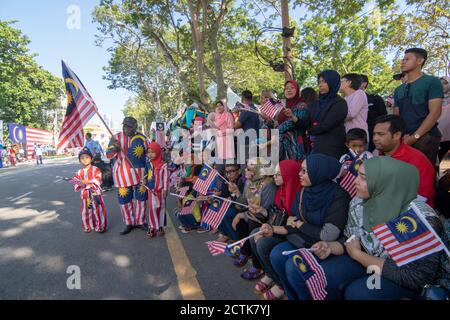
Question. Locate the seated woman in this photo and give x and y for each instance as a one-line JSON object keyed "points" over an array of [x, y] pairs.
{"points": [[321, 211], [386, 188], [259, 194], [287, 179]]}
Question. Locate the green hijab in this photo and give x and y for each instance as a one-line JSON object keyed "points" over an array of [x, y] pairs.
{"points": [[392, 186]]}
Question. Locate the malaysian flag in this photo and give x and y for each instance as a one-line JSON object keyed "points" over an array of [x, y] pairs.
{"points": [[182, 191], [188, 207], [408, 237], [348, 183], [80, 109], [205, 179], [216, 247], [39, 137], [73, 181], [270, 108], [312, 272], [215, 213]]}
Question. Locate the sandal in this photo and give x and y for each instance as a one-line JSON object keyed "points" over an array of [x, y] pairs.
{"points": [[261, 287], [222, 238], [160, 232], [252, 274], [151, 233], [87, 230], [270, 296]]}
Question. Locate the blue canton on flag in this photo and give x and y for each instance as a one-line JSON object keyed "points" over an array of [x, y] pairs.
{"points": [[17, 133], [408, 238], [205, 179]]}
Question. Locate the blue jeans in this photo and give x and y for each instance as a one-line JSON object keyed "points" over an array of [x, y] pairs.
{"points": [[38, 159], [262, 249], [346, 278], [226, 225]]}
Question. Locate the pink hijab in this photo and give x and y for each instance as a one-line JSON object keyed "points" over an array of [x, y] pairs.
{"points": [[225, 119]]}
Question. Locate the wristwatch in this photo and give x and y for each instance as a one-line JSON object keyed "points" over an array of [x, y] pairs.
{"points": [[416, 136]]}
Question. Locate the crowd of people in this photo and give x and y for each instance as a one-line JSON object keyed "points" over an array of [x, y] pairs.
{"points": [[345, 167]]}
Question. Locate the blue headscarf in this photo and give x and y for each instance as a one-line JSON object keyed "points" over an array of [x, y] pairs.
{"points": [[322, 169], [333, 79]]}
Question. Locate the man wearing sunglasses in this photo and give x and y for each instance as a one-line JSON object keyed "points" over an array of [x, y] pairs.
{"points": [[419, 102]]}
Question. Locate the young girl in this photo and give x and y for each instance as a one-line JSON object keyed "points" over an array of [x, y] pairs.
{"points": [[157, 182], [89, 179]]}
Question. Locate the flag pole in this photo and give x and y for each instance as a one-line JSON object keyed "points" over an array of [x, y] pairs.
{"points": [[103, 121], [244, 239], [424, 220], [239, 204]]}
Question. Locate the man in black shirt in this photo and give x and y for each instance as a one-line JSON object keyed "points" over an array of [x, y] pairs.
{"points": [[376, 108]]}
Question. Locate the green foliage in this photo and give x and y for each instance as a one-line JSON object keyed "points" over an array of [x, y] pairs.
{"points": [[28, 93]]}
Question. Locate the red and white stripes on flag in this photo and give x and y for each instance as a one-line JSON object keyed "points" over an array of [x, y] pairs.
{"points": [[408, 238], [182, 191], [316, 281], [80, 109], [38, 136], [348, 183], [205, 179], [270, 109], [216, 247], [188, 207], [213, 217]]}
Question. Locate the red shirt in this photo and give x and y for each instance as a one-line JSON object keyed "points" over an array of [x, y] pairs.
{"points": [[416, 158]]}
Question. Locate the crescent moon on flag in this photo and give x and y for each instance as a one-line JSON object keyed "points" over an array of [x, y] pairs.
{"points": [[20, 137], [412, 221], [300, 264], [72, 82]]}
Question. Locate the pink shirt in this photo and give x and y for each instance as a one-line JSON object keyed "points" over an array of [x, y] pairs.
{"points": [[358, 107]]}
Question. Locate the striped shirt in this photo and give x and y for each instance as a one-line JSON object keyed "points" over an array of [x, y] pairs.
{"points": [[123, 173], [92, 174]]}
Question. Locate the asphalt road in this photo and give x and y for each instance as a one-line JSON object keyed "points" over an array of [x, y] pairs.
{"points": [[41, 237]]}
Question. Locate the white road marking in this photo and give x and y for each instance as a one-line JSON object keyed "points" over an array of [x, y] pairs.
{"points": [[22, 196]]}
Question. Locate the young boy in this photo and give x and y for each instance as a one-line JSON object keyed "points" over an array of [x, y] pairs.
{"points": [[157, 182], [89, 179], [356, 144]]}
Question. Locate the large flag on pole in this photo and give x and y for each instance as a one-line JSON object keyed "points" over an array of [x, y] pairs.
{"points": [[80, 109]]}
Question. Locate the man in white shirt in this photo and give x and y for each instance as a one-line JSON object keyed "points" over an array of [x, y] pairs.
{"points": [[38, 152]]}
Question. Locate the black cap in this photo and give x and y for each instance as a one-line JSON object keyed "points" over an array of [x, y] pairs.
{"points": [[85, 151], [398, 76], [130, 121]]}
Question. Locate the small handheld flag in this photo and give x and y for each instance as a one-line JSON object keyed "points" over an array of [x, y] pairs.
{"points": [[205, 179], [408, 238], [215, 213], [270, 108], [312, 272]]}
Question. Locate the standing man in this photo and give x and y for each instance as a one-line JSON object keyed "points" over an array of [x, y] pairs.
{"points": [[377, 108], [94, 147], [418, 101], [38, 152], [128, 149]]}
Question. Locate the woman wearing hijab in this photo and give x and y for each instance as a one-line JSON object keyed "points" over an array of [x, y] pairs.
{"points": [[288, 181], [444, 120], [157, 182], [321, 211], [292, 124], [385, 188], [327, 117], [224, 123]]}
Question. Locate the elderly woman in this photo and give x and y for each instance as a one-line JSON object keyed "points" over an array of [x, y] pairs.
{"points": [[386, 188]]}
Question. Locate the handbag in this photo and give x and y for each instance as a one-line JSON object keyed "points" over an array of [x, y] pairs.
{"points": [[277, 217], [435, 292]]}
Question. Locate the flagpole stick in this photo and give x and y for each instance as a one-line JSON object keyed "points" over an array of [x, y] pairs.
{"points": [[227, 182], [244, 239], [285, 253], [239, 204], [103, 121]]}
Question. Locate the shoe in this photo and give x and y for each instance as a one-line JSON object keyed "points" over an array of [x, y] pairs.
{"points": [[142, 227], [240, 261], [100, 230], [151, 233], [202, 230], [271, 296], [127, 230], [87, 230], [252, 274], [187, 230]]}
